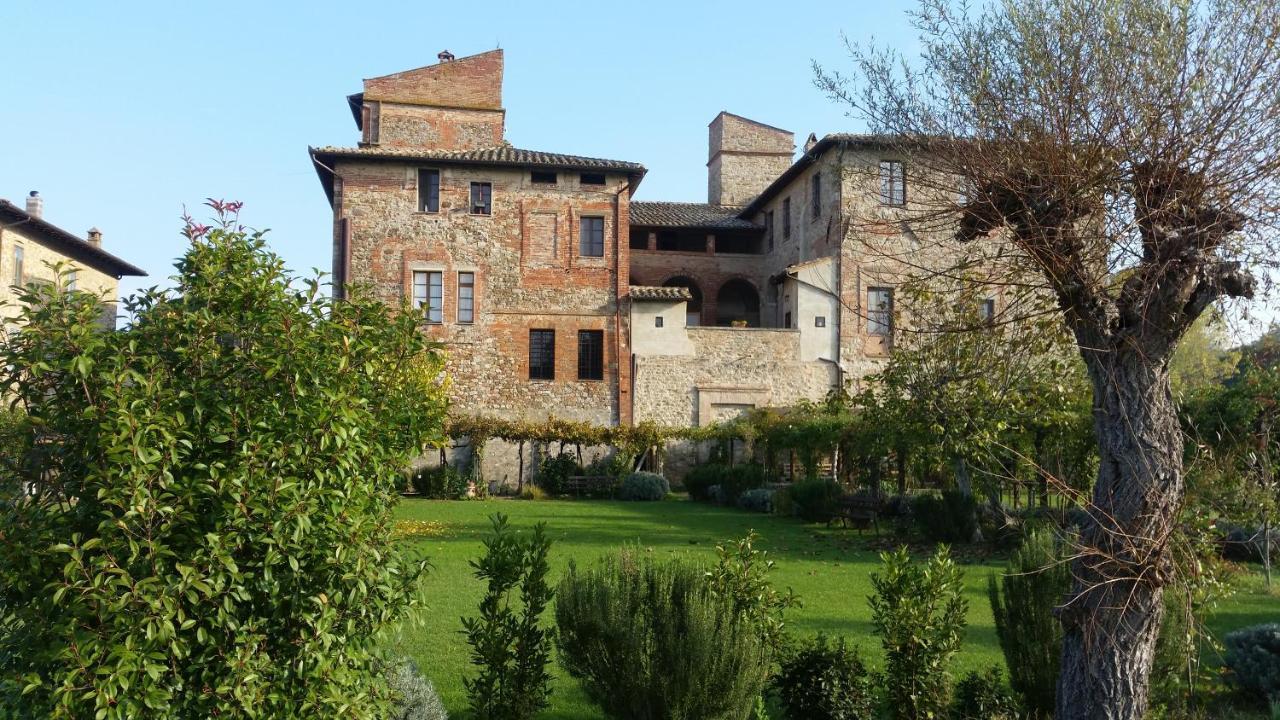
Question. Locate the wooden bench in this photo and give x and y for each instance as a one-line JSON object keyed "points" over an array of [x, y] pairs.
{"points": [[579, 485], [861, 510]]}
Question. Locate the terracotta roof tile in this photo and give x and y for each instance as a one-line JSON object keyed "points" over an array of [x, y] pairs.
{"points": [[649, 292], [688, 215]]}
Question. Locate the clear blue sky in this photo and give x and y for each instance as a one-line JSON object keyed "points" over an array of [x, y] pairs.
{"points": [[120, 113]]}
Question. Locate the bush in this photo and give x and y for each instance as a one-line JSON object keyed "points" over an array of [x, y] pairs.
{"points": [[919, 613], [741, 576], [442, 482], [1253, 655], [739, 479], [815, 500], [824, 681], [251, 432], [1036, 581], [649, 641], [644, 486], [699, 480], [984, 696], [413, 696], [947, 518], [555, 471], [758, 500], [512, 650], [1244, 544], [533, 492]]}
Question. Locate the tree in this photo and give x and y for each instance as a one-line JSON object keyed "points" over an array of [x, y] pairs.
{"points": [[208, 527], [1128, 152], [1202, 358]]}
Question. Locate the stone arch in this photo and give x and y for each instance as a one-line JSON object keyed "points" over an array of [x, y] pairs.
{"points": [[738, 299], [693, 308]]}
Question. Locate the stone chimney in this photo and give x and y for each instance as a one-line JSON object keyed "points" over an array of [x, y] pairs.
{"points": [[95, 237], [35, 204], [813, 140], [745, 156]]}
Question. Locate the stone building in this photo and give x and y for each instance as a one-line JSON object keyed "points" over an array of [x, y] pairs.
{"points": [[30, 249], [557, 293]]}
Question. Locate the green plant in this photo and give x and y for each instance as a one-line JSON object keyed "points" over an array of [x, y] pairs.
{"points": [[511, 649], [1253, 655], [757, 500], [649, 641], [533, 492], [825, 681], [211, 530], [699, 480], [441, 482], [1036, 582], [814, 500], [741, 576], [984, 696], [919, 612], [738, 479], [644, 486], [413, 696], [950, 517], [555, 471], [783, 504]]}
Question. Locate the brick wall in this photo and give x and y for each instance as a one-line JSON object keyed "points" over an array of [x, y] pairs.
{"points": [[454, 105]]}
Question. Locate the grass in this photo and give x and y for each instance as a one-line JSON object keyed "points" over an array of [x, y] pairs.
{"points": [[829, 569]]}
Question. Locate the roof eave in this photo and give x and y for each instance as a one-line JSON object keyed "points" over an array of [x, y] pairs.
{"points": [[70, 245]]}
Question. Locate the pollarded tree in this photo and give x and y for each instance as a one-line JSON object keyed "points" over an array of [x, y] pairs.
{"points": [[208, 527], [1129, 152]]}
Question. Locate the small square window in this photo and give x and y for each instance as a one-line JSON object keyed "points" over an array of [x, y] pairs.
{"points": [[540, 177], [591, 178], [481, 198], [819, 321], [657, 322]]}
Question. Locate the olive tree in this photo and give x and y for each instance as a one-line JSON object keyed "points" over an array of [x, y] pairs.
{"points": [[206, 525], [1128, 152]]}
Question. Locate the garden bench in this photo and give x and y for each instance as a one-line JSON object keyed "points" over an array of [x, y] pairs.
{"points": [[862, 511], [578, 485]]}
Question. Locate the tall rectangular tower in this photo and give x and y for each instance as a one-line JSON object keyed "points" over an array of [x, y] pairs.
{"points": [[744, 157]]}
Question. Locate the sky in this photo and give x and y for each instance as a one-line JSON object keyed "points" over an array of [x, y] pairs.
{"points": [[122, 114]]}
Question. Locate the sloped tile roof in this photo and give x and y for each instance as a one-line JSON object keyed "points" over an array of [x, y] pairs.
{"points": [[688, 215], [650, 292], [66, 243], [499, 155]]}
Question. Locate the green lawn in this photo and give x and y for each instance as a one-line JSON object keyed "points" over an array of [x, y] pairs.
{"points": [[829, 569]]}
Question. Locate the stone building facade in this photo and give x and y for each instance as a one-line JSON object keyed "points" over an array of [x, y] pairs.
{"points": [[31, 248], [556, 293]]}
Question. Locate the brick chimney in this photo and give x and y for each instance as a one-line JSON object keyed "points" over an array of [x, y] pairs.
{"points": [[35, 204], [95, 237], [745, 157]]}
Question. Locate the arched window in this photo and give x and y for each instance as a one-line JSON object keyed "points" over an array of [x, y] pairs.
{"points": [[738, 300], [694, 306]]}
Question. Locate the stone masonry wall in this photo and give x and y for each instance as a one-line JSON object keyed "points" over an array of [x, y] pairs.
{"points": [[743, 157], [35, 264], [418, 126]]}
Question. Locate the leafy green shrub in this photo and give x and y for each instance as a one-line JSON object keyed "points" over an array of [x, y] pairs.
{"points": [[213, 533], [511, 649], [533, 492], [739, 479], [757, 500], [783, 504], [555, 471], [919, 613], [1253, 655], [648, 640], [699, 480], [825, 681], [644, 486], [414, 697], [442, 482], [1036, 581], [947, 518], [984, 696], [741, 576], [815, 500]]}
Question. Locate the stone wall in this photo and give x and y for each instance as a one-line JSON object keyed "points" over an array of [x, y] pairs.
{"points": [[36, 262], [708, 270], [455, 105], [419, 126], [744, 157]]}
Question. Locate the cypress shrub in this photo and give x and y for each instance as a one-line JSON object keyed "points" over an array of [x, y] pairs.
{"points": [[1030, 636]]}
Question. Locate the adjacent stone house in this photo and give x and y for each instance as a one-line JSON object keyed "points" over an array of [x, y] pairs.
{"points": [[556, 293], [30, 249]]}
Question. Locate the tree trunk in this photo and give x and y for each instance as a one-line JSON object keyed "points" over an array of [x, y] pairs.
{"points": [[902, 471], [520, 472], [1112, 616]]}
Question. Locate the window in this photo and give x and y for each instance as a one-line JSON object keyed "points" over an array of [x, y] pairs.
{"points": [[429, 191], [768, 229], [820, 321], [786, 320], [879, 311], [591, 178], [815, 197], [591, 237], [893, 183], [370, 121], [428, 292], [17, 265], [542, 354], [466, 297], [72, 277], [542, 177], [481, 198], [657, 321], [590, 354], [786, 218], [987, 310]]}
